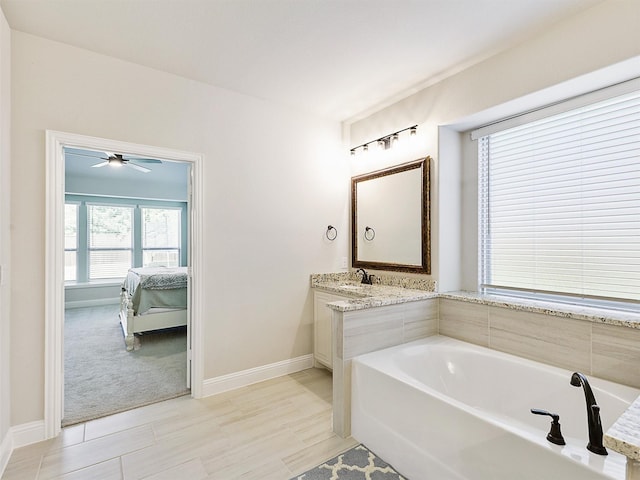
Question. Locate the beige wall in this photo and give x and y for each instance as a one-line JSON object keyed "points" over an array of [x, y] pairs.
{"points": [[5, 199], [564, 61], [274, 178]]}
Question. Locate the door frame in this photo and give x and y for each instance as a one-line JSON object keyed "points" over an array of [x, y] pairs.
{"points": [[54, 261]]}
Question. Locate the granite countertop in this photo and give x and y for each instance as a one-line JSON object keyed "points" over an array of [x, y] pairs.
{"points": [[624, 435], [390, 290], [386, 290], [369, 296]]}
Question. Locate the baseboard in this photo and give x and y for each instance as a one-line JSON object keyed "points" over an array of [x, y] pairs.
{"points": [[224, 383], [98, 302], [27, 433], [6, 447], [19, 436]]}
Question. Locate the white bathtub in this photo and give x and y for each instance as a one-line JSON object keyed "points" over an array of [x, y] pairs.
{"points": [[439, 409]]}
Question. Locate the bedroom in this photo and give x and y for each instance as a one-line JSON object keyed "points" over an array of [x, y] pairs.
{"points": [[117, 219]]}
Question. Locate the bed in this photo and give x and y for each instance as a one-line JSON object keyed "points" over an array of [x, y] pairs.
{"points": [[152, 298]]}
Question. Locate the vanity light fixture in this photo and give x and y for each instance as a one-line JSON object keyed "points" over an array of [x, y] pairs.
{"points": [[386, 142]]}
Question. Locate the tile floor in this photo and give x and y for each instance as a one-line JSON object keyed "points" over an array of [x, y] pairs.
{"points": [[272, 430]]}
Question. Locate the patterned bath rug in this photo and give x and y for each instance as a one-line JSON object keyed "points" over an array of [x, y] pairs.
{"points": [[359, 463]]}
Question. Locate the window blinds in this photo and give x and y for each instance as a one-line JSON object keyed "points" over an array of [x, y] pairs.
{"points": [[560, 203], [110, 241]]}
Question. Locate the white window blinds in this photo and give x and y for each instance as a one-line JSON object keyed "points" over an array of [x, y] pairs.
{"points": [[110, 241], [560, 203]]}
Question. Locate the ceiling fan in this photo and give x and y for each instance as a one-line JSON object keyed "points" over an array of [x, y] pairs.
{"points": [[118, 160]]}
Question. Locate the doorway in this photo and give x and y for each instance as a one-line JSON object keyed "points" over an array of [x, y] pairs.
{"points": [[57, 142], [126, 219]]}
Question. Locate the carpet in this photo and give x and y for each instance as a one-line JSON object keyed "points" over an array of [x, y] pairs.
{"points": [[359, 463], [101, 378]]}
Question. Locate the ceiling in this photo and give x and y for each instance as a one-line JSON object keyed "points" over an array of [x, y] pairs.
{"points": [[335, 58], [79, 163]]}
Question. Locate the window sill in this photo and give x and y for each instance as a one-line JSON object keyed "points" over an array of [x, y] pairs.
{"points": [[94, 284], [578, 312]]}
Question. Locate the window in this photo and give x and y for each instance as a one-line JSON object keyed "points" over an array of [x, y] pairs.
{"points": [[560, 204], [105, 236], [160, 237], [110, 241], [70, 241]]}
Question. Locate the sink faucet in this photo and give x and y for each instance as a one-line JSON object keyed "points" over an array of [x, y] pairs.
{"points": [[593, 414], [366, 278]]}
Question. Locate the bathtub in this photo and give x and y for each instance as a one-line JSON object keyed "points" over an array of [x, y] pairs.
{"points": [[440, 409]]}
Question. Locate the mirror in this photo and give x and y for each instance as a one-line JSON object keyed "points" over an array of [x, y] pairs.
{"points": [[390, 223]]}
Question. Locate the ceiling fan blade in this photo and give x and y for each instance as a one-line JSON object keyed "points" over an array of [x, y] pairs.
{"points": [[143, 160], [75, 154], [97, 165], [137, 167]]}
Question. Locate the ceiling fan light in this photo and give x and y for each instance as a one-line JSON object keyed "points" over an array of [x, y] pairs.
{"points": [[115, 162]]}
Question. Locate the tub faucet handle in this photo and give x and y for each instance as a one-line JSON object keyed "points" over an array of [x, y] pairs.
{"points": [[554, 435]]}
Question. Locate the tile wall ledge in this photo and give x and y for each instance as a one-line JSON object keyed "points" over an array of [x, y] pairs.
{"points": [[578, 312], [624, 435]]}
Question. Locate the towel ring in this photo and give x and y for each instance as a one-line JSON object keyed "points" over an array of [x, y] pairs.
{"points": [[331, 236], [369, 233]]}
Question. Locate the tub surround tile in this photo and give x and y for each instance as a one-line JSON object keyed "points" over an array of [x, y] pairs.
{"points": [[633, 469], [595, 315], [542, 338], [356, 332], [465, 321], [616, 354], [368, 331], [419, 319]]}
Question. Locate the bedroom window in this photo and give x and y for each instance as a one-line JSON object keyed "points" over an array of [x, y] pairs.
{"points": [[105, 236], [560, 205], [110, 241], [70, 241], [161, 237]]}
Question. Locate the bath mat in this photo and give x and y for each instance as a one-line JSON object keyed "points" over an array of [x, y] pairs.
{"points": [[359, 463]]}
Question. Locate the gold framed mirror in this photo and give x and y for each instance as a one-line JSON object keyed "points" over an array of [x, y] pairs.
{"points": [[390, 218]]}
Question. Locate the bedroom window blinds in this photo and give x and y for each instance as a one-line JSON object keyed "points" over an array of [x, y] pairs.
{"points": [[161, 237], [560, 204], [110, 241], [70, 241]]}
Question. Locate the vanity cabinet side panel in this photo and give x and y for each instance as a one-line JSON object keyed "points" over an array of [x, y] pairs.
{"points": [[322, 336]]}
